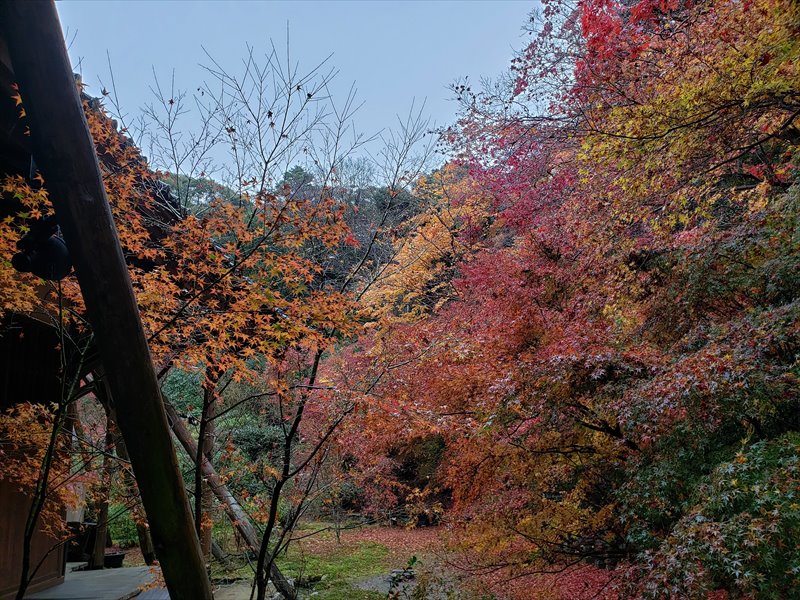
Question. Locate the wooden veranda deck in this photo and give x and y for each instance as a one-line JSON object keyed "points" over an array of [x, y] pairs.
{"points": [[123, 584], [103, 584]]}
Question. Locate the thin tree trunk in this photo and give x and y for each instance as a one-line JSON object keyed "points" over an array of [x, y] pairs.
{"points": [[265, 564], [65, 153], [233, 509], [202, 500], [101, 531], [39, 498], [219, 553], [206, 533], [145, 543]]}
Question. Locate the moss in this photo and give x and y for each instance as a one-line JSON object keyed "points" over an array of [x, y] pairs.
{"points": [[339, 569], [344, 591]]}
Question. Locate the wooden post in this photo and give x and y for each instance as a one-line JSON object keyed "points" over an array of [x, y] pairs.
{"points": [[64, 151]]}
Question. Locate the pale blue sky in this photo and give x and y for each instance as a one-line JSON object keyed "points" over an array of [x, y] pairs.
{"points": [[393, 51]]}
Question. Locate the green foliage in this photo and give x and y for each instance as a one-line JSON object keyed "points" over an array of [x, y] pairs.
{"points": [[257, 440], [663, 487], [121, 526], [297, 178], [742, 533], [183, 389], [196, 194]]}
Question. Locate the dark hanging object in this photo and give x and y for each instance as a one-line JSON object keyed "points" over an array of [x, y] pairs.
{"points": [[43, 252]]}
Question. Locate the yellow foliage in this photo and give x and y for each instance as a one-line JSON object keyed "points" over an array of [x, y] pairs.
{"points": [[418, 279]]}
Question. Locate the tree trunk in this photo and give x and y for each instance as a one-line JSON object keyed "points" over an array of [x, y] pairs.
{"points": [[233, 509], [203, 499], [219, 553], [146, 544], [206, 533], [101, 532], [65, 153]]}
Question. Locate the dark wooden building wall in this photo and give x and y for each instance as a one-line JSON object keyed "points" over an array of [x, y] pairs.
{"points": [[13, 511], [29, 364]]}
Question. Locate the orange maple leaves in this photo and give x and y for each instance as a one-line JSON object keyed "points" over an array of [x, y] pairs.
{"points": [[221, 287]]}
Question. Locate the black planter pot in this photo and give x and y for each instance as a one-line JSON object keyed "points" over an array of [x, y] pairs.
{"points": [[114, 561]]}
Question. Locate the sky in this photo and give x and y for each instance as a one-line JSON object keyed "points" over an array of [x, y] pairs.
{"points": [[394, 52]]}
